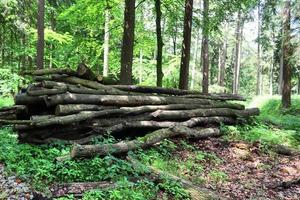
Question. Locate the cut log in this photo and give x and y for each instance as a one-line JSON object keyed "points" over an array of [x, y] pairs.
{"points": [[158, 90], [11, 113], [44, 91], [86, 73], [120, 100], [41, 72], [86, 83], [76, 108], [151, 108], [42, 78], [81, 151], [12, 122], [164, 124], [173, 91], [184, 114], [82, 116], [41, 117], [23, 99], [196, 192]]}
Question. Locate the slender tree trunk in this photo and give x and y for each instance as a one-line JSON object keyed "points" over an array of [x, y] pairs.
{"points": [[41, 39], [106, 44], [2, 39], [205, 58], [219, 62], [259, 67], [271, 74], [237, 55], [186, 46], [223, 58], [141, 67], [175, 38], [298, 89], [195, 61], [128, 43], [240, 56], [159, 43], [286, 75]]}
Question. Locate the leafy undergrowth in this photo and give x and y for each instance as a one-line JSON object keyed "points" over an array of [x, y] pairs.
{"points": [[37, 165], [6, 101], [239, 165]]}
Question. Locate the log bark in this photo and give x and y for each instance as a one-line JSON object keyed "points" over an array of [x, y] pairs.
{"points": [[81, 151], [86, 73], [151, 108], [76, 108], [154, 125], [44, 91], [183, 114], [41, 72], [85, 83], [23, 99], [120, 100], [158, 90], [82, 116]]}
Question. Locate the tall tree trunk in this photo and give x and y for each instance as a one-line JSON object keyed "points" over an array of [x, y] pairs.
{"points": [[174, 37], [223, 58], [41, 39], [195, 61], [259, 67], [128, 43], [298, 84], [205, 53], [271, 74], [141, 67], [106, 44], [280, 83], [286, 75], [186, 46], [159, 43], [237, 55]]}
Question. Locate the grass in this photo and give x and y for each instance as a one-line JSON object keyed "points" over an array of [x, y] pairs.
{"points": [[273, 126]]}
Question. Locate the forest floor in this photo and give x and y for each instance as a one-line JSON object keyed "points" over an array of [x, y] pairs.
{"points": [[239, 165]]}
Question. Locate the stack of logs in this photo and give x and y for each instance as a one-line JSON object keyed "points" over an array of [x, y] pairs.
{"points": [[74, 106]]}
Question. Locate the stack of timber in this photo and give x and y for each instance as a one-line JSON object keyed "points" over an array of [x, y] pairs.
{"points": [[74, 106]]}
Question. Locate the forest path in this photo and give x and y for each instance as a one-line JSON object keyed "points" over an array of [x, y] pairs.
{"points": [[12, 188], [250, 172]]}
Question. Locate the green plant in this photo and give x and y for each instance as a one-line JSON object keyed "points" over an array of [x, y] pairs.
{"points": [[175, 189], [218, 176]]}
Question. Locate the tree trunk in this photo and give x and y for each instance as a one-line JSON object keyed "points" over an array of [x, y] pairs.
{"points": [[141, 67], [259, 67], [147, 141], [182, 114], [159, 43], [186, 46], [205, 59], [195, 61], [41, 39], [120, 100], [237, 54], [286, 75], [128, 43], [223, 58], [106, 44]]}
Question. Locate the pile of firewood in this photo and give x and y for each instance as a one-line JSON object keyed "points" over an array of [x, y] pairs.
{"points": [[74, 106]]}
